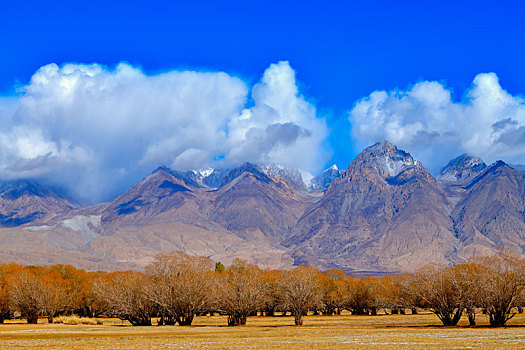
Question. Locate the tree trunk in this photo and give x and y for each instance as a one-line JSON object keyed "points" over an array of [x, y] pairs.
{"points": [[449, 318], [32, 318], [49, 319], [237, 320], [242, 320], [401, 311], [471, 314], [394, 311], [140, 321], [359, 311], [298, 317], [414, 311], [186, 320], [373, 311], [498, 318]]}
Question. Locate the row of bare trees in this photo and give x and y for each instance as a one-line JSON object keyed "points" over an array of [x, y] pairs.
{"points": [[35, 291], [495, 284], [176, 287]]}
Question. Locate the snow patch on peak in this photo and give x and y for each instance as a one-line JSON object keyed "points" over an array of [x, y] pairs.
{"points": [[293, 176], [323, 180], [204, 172], [393, 166], [275, 169], [386, 159], [461, 168], [307, 177]]}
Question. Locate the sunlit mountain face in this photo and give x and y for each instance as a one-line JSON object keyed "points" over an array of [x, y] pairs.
{"points": [[384, 213]]}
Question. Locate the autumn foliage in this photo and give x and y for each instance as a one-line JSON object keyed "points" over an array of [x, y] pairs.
{"points": [[175, 288]]}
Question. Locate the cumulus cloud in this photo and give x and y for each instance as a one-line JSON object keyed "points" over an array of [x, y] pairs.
{"points": [[487, 122], [281, 126], [97, 130]]}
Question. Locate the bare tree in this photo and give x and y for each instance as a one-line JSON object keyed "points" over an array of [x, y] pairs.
{"points": [[332, 287], [272, 280], [181, 285], [301, 291], [361, 295], [468, 281], [122, 294], [240, 291], [502, 285], [438, 288], [55, 298], [26, 290]]}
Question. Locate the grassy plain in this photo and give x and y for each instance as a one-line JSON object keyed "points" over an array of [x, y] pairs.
{"points": [[319, 332]]}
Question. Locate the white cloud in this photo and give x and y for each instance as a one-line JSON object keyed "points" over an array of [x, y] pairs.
{"points": [[281, 127], [98, 130], [425, 120]]}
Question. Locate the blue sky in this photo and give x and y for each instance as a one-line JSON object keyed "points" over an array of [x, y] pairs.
{"points": [[340, 51]]}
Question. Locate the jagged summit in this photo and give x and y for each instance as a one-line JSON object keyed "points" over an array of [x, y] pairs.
{"points": [[462, 168], [247, 167], [203, 178], [383, 146], [216, 178], [189, 178], [385, 158], [323, 180]]}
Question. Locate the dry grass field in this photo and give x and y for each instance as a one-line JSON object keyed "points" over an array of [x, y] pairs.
{"points": [[319, 332]]}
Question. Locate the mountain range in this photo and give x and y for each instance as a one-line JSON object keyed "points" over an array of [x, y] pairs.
{"points": [[384, 214]]}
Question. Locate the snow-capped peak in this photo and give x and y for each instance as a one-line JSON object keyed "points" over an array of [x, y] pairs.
{"points": [[461, 168], [323, 180], [204, 172], [386, 159]]}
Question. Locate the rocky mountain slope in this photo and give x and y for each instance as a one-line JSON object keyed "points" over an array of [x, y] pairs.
{"points": [[25, 201], [492, 213], [385, 213]]}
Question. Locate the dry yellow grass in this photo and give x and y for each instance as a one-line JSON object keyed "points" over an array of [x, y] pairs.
{"points": [[319, 332], [76, 320]]}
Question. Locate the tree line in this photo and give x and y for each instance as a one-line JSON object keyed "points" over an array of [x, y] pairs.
{"points": [[176, 287]]}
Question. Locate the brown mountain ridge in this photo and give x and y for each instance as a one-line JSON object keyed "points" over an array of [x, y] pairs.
{"points": [[385, 213]]}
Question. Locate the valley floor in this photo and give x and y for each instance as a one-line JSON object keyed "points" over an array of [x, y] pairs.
{"points": [[319, 332]]}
